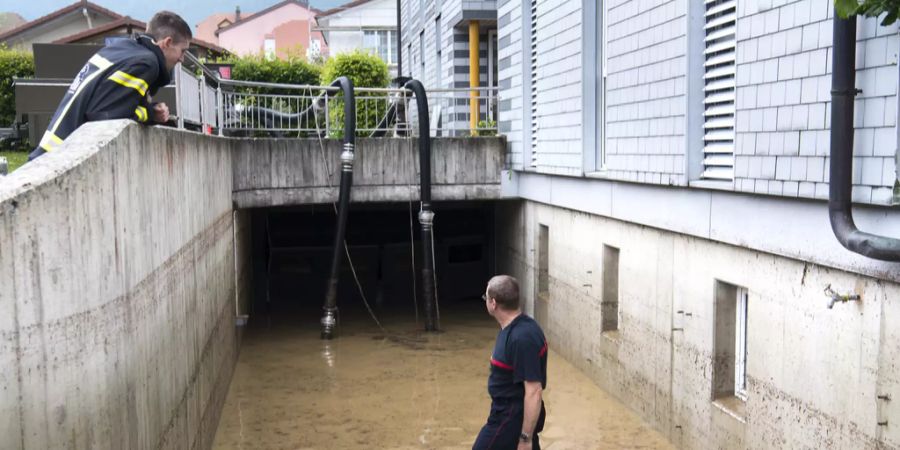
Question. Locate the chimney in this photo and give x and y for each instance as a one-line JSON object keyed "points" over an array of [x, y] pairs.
{"points": [[237, 14]]}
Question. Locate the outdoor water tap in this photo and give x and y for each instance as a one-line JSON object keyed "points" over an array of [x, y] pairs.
{"points": [[834, 297]]}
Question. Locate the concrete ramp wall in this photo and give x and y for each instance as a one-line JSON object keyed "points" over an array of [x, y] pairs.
{"points": [[284, 172], [117, 291]]}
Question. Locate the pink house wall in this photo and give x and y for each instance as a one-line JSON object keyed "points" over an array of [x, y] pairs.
{"points": [[288, 25]]}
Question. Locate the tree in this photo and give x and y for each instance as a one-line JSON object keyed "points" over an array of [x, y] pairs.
{"points": [[869, 8]]}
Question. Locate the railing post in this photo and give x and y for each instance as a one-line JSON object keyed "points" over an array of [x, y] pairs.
{"points": [[220, 110], [179, 103], [327, 117]]}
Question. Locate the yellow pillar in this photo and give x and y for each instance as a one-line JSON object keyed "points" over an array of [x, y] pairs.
{"points": [[474, 75]]}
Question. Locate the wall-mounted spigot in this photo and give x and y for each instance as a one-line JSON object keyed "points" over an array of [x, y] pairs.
{"points": [[834, 297]]}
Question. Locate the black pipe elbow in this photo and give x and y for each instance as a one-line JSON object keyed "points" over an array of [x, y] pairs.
{"points": [[424, 140], [346, 86], [840, 188]]}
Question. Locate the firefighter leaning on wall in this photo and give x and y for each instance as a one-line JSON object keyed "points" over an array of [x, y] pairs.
{"points": [[119, 80]]}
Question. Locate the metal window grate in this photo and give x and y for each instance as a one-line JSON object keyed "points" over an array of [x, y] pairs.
{"points": [[719, 90], [534, 120]]}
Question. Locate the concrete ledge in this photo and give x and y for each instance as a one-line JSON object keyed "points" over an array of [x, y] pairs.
{"points": [[281, 172], [117, 291]]}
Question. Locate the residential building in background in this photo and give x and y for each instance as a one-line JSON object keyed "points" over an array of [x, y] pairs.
{"points": [[73, 19], [207, 28], [125, 27], [10, 20], [436, 37], [86, 23], [276, 31], [369, 25], [673, 237]]}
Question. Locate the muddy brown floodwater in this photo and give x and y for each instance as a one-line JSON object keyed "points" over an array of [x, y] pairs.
{"points": [[407, 390]]}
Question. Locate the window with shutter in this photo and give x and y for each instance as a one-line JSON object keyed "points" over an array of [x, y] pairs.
{"points": [[534, 120]]}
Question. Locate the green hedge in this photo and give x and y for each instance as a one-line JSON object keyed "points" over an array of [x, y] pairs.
{"points": [[293, 70], [364, 70], [12, 64]]}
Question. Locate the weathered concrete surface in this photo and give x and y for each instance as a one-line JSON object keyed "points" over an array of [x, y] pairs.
{"points": [[279, 172], [117, 291], [814, 375]]}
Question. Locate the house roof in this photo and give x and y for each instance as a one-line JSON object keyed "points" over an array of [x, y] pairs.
{"points": [[343, 7], [123, 23], [57, 14], [268, 10]]}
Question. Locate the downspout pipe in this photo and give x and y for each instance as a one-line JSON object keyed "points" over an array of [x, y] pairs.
{"points": [[330, 318], [426, 216], [843, 91]]}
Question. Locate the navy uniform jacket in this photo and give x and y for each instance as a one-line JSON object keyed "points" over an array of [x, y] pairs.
{"points": [[115, 84], [520, 354]]}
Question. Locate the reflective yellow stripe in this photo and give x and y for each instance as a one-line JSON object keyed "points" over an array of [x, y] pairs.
{"points": [[141, 113], [102, 64], [50, 141], [129, 81]]}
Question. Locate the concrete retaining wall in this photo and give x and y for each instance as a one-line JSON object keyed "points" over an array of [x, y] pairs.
{"points": [[280, 172], [814, 375], [117, 291]]}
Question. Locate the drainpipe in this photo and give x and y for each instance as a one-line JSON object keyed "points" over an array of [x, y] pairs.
{"points": [[843, 90], [329, 320], [426, 216], [399, 43], [474, 75]]}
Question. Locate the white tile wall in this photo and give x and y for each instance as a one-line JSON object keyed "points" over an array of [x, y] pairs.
{"points": [[646, 47], [785, 72]]}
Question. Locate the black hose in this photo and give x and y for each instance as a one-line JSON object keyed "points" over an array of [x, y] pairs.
{"points": [[329, 320], [843, 91], [426, 216]]}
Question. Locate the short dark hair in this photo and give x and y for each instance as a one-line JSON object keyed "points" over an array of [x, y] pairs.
{"points": [[505, 290], [168, 24]]}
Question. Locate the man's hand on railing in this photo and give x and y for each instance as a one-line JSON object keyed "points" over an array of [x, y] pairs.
{"points": [[160, 112]]}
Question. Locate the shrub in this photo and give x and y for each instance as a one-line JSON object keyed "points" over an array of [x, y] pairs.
{"points": [[292, 70], [12, 64], [487, 128], [364, 70]]}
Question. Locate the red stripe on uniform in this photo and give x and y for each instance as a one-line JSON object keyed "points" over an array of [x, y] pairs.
{"points": [[501, 364], [543, 350]]}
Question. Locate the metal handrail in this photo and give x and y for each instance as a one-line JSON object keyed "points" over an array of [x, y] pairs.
{"points": [[241, 111]]}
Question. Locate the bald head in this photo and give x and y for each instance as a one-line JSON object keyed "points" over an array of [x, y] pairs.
{"points": [[505, 290]]}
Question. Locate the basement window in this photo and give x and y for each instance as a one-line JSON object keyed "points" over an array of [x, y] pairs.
{"points": [[544, 261], [609, 303], [729, 390]]}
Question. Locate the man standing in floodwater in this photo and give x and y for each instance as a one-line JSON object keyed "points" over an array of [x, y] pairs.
{"points": [[119, 80], [518, 373]]}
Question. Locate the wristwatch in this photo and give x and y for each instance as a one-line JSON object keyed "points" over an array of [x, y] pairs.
{"points": [[524, 437]]}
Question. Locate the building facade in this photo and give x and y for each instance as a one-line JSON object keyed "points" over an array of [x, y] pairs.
{"points": [[73, 19], [280, 30], [670, 165], [368, 25]]}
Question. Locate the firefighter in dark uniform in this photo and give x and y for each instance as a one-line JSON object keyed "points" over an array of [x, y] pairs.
{"points": [[518, 373], [119, 80]]}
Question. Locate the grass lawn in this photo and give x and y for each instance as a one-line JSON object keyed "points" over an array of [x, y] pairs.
{"points": [[15, 159]]}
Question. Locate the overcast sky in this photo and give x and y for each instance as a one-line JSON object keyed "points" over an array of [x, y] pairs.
{"points": [[193, 11]]}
